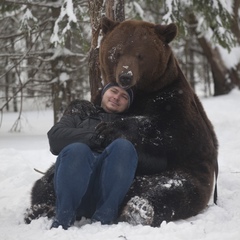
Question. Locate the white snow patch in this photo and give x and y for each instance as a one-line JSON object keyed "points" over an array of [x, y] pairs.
{"points": [[21, 152], [173, 183]]}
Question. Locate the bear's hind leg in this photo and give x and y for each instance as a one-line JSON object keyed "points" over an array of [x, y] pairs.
{"points": [[157, 198], [42, 198]]}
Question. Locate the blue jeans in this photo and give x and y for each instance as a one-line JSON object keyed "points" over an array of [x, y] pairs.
{"points": [[93, 184]]}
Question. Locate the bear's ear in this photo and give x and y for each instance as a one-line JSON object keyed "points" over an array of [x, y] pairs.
{"points": [[166, 32], [108, 25]]}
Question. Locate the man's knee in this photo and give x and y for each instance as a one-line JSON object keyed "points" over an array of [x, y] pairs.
{"points": [[124, 149], [122, 143], [75, 152], [76, 148]]}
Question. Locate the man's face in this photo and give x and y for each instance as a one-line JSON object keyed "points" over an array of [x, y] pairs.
{"points": [[115, 100]]}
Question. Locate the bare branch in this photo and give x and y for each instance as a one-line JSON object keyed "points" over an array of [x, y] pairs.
{"points": [[37, 4], [39, 171], [17, 125], [23, 57]]}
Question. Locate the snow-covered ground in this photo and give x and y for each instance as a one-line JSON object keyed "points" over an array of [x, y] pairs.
{"points": [[21, 152]]}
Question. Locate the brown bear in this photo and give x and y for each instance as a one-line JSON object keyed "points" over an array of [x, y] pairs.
{"points": [[175, 141]]}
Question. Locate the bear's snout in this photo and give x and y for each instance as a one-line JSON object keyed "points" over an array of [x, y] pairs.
{"points": [[125, 79]]}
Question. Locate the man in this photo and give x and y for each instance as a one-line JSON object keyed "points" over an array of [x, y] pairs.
{"points": [[90, 181]]}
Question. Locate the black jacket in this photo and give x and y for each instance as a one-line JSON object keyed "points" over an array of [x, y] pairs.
{"points": [[71, 129], [79, 125]]}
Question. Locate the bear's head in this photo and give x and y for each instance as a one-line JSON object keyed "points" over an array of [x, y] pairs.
{"points": [[136, 53]]}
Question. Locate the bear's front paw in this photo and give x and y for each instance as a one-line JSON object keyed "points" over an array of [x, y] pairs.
{"points": [[137, 211], [106, 132], [82, 108]]}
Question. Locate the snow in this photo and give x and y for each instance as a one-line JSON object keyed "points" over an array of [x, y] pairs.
{"points": [[232, 58], [166, 17], [67, 10], [21, 152], [139, 10]]}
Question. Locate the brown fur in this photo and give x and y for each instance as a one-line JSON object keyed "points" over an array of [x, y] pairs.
{"points": [[137, 54]]}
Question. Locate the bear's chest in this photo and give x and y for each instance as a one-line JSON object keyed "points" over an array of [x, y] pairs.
{"points": [[158, 104]]}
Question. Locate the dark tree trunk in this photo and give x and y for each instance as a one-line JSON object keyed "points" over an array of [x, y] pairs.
{"points": [[235, 20], [56, 96], [223, 80], [95, 10], [61, 90], [235, 73], [115, 11], [7, 84]]}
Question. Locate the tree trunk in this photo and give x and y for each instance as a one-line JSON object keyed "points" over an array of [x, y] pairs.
{"points": [[220, 73], [189, 66], [56, 96], [61, 90], [236, 31], [115, 11], [223, 81], [7, 84], [235, 20], [95, 11]]}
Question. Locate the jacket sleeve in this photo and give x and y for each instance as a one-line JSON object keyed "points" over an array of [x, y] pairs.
{"points": [[69, 130]]}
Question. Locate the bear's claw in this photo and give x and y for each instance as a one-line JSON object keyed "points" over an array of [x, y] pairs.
{"points": [[137, 211]]}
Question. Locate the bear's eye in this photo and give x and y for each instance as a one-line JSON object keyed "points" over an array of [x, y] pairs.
{"points": [[118, 54], [139, 56]]}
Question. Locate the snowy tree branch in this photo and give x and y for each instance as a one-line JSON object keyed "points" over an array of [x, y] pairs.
{"points": [[38, 4]]}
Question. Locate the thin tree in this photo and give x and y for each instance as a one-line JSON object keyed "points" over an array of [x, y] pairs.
{"points": [[114, 9]]}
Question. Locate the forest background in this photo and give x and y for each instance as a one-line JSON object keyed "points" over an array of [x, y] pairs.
{"points": [[49, 48]]}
